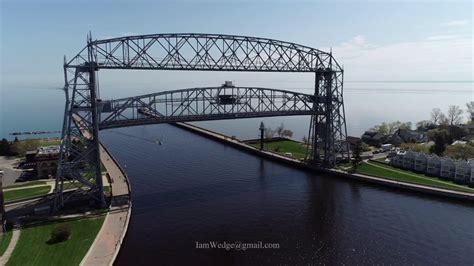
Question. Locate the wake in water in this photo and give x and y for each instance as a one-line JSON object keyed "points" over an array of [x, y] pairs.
{"points": [[154, 141]]}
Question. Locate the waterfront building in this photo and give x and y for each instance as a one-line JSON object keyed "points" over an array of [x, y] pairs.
{"points": [[397, 159], [409, 160], [471, 180], [448, 168], [421, 162], [463, 172], [433, 165], [47, 161]]}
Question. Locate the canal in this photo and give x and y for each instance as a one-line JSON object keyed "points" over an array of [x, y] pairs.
{"points": [[190, 189]]}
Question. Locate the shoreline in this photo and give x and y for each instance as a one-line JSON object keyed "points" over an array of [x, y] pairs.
{"points": [[301, 165]]}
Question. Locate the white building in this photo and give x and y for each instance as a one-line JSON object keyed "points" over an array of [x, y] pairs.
{"points": [[471, 181], [397, 160], [433, 165], [448, 168], [409, 160], [463, 172], [421, 162]]}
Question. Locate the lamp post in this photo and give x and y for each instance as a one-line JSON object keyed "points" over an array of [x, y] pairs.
{"points": [[262, 130]]}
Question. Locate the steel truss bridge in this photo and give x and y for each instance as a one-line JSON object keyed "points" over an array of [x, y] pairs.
{"points": [[84, 112]]}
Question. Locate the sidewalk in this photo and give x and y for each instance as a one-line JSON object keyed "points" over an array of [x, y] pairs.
{"points": [[107, 244], [11, 246]]}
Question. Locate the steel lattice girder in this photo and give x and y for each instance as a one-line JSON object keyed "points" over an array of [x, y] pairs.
{"points": [[207, 52], [79, 163], [198, 104]]}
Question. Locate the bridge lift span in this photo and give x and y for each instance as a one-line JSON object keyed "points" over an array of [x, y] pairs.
{"points": [[85, 112]]}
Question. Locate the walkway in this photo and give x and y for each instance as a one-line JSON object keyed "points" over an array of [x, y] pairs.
{"points": [[8, 253], [107, 243]]}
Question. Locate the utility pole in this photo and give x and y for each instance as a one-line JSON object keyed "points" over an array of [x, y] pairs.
{"points": [[262, 130]]}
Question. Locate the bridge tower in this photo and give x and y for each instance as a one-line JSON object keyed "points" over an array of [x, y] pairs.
{"points": [[327, 133], [79, 162]]}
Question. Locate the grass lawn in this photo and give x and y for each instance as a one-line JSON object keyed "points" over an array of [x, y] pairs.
{"points": [[25, 193], [25, 184], [390, 172], [32, 247], [7, 236], [297, 149]]}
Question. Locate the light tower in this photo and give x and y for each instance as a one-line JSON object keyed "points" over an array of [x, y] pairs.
{"points": [[262, 130]]}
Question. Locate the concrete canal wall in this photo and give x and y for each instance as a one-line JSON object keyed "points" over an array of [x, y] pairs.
{"points": [[334, 172]]}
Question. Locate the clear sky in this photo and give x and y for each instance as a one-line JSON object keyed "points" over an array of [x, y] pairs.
{"points": [[374, 40]]}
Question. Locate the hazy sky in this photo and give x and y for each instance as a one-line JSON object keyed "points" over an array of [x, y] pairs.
{"points": [[374, 40]]}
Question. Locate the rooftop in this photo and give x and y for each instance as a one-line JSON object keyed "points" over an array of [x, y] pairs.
{"points": [[48, 150]]}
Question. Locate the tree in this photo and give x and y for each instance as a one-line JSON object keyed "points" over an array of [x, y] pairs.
{"points": [[437, 116], [406, 125], [356, 158], [390, 128], [454, 116], [5, 148], [424, 124], [460, 151], [415, 147], [280, 129], [470, 111], [382, 128], [440, 139], [287, 133]]}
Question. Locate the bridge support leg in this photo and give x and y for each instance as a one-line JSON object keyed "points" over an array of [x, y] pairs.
{"points": [[328, 131], [79, 174]]}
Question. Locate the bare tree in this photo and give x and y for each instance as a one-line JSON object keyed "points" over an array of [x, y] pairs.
{"points": [[287, 133], [437, 116], [470, 111], [454, 116], [279, 130]]}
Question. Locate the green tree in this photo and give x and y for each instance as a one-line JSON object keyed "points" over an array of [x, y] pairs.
{"points": [[5, 148], [460, 151], [424, 124], [440, 144], [356, 158]]}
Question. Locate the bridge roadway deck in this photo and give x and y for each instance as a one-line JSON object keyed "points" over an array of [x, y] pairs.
{"points": [[108, 241]]}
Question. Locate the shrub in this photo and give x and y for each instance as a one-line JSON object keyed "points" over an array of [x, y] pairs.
{"points": [[60, 233]]}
